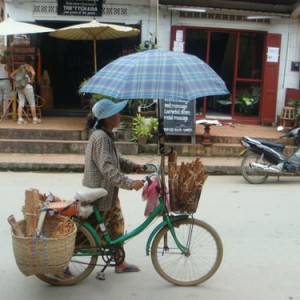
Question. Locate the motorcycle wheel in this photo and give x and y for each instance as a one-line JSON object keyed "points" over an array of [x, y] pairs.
{"points": [[252, 175]]}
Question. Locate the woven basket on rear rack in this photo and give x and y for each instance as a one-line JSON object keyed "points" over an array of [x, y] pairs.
{"points": [[48, 254]]}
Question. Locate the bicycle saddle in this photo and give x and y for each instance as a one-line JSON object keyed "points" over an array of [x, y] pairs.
{"points": [[89, 195]]}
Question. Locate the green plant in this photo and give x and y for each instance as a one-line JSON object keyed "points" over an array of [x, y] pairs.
{"points": [[148, 44], [153, 125], [142, 126], [295, 103], [246, 102]]}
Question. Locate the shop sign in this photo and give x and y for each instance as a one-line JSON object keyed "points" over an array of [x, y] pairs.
{"points": [[79, 7], [178, 116]]}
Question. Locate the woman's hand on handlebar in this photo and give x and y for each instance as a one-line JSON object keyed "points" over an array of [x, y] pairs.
{"points": [[153, 167], [137, 184], [140, 169]]}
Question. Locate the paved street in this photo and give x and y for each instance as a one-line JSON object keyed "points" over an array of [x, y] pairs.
{"points": [[258, 224]]}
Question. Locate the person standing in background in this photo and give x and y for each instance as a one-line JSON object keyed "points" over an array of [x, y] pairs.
{"points": [[5, 85], [27, 92]]}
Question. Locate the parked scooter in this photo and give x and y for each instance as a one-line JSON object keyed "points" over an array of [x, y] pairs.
{"points": [[263, 158]]}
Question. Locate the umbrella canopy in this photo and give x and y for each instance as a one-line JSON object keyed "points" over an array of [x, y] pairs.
{"points": [[94, 31], [11, 27], [156, 74]]}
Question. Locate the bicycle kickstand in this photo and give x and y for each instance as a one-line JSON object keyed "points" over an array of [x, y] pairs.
{"points": [[100, 275]]}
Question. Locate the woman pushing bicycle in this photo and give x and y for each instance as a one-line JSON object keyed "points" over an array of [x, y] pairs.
{"points": [[105, 168], [184, 251]]}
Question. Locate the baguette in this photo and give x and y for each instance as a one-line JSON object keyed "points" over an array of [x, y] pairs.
{"points": [[172, 156]]}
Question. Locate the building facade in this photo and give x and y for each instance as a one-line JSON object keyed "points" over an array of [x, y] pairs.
{"points": [[257, 58]]}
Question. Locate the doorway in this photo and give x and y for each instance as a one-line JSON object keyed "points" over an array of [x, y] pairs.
{"points": [[237, 57], [69, 63]]}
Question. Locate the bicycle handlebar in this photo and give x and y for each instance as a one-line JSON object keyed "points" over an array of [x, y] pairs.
{"points": [[151, 167]]}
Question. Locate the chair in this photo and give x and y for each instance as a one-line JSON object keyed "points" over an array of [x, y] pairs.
{"points": [[6, 109], [39, 104], [11, 108], [288, 114]]}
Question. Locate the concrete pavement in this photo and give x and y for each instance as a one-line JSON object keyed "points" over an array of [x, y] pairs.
{"points": [[258, 225]]}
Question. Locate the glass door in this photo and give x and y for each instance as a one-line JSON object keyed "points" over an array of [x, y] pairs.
{"points": [[249, 74], [238, 58]]}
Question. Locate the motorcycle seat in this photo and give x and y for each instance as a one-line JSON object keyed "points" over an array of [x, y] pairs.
{"points": [[274, 145]]}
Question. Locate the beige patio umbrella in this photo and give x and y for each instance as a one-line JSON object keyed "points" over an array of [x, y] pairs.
{"points": [[94, 31], [12, 27]]}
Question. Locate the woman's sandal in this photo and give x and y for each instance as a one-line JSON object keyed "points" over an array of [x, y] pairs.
{"points": [[128, 269]]}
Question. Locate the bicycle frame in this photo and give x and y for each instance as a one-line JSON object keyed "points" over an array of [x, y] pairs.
{"points": [[160, 210], [173, 238]]}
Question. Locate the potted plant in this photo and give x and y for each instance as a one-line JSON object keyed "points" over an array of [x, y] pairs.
{"points": [[143, 129], [296, 103], [246, 103], [153, 127]]}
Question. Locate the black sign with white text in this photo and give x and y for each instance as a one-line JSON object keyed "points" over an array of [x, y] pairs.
{"points": [[178, 116], [79, 7]]}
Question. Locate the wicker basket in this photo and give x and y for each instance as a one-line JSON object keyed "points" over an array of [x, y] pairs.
{"points": [[183, 201], [185, 184], [46, 254]]}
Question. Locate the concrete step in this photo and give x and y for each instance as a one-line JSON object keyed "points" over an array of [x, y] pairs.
{"points": [[56, 146], [69, 136], [219, 139], [75, 162], [215, 150], [78, 147], [36, 134]]}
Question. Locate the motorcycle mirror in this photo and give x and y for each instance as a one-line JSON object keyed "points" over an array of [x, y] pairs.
{"points": [[280, 128]]}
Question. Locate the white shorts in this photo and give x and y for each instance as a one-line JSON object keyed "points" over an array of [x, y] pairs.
{"points": [[26, 93]]}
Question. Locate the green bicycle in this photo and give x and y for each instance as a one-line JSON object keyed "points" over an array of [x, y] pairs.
{"points": [[184, 251]]}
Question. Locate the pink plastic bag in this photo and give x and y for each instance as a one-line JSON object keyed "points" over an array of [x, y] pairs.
{"points": [[151, 194]]}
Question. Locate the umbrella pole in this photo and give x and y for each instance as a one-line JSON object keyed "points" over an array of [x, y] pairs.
{"points": [[161, 141], [95, 55]]}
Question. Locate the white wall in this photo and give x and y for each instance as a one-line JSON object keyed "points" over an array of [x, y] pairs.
{"points": [[290, 51], [138, 11]]}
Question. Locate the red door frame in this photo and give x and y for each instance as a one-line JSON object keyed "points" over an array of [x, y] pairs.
{"points": [[269, 81]]}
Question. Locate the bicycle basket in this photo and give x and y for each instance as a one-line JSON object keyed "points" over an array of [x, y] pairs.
{"points": [[185, 185], [48, 254], [184, 200]]}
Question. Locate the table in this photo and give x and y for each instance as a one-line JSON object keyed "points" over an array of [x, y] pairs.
{"points": [[206, 136]]}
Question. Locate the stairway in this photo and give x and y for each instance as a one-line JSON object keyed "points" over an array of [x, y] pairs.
{"points": [[55, 136]]}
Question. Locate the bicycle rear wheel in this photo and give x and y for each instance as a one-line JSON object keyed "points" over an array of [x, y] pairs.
{"points": [[80, 267], [203, 260]]}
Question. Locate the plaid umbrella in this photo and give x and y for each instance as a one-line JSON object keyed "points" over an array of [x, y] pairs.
{"points": [[156, 74]]}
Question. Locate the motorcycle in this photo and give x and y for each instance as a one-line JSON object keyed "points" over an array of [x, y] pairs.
{"points": [[263, 158]]}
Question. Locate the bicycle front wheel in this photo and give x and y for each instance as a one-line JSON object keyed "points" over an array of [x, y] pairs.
{"points": [[81, 264], [203, 258]]}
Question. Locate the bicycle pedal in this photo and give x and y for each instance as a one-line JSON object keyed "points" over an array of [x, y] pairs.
{"points": [[100, 276]]}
